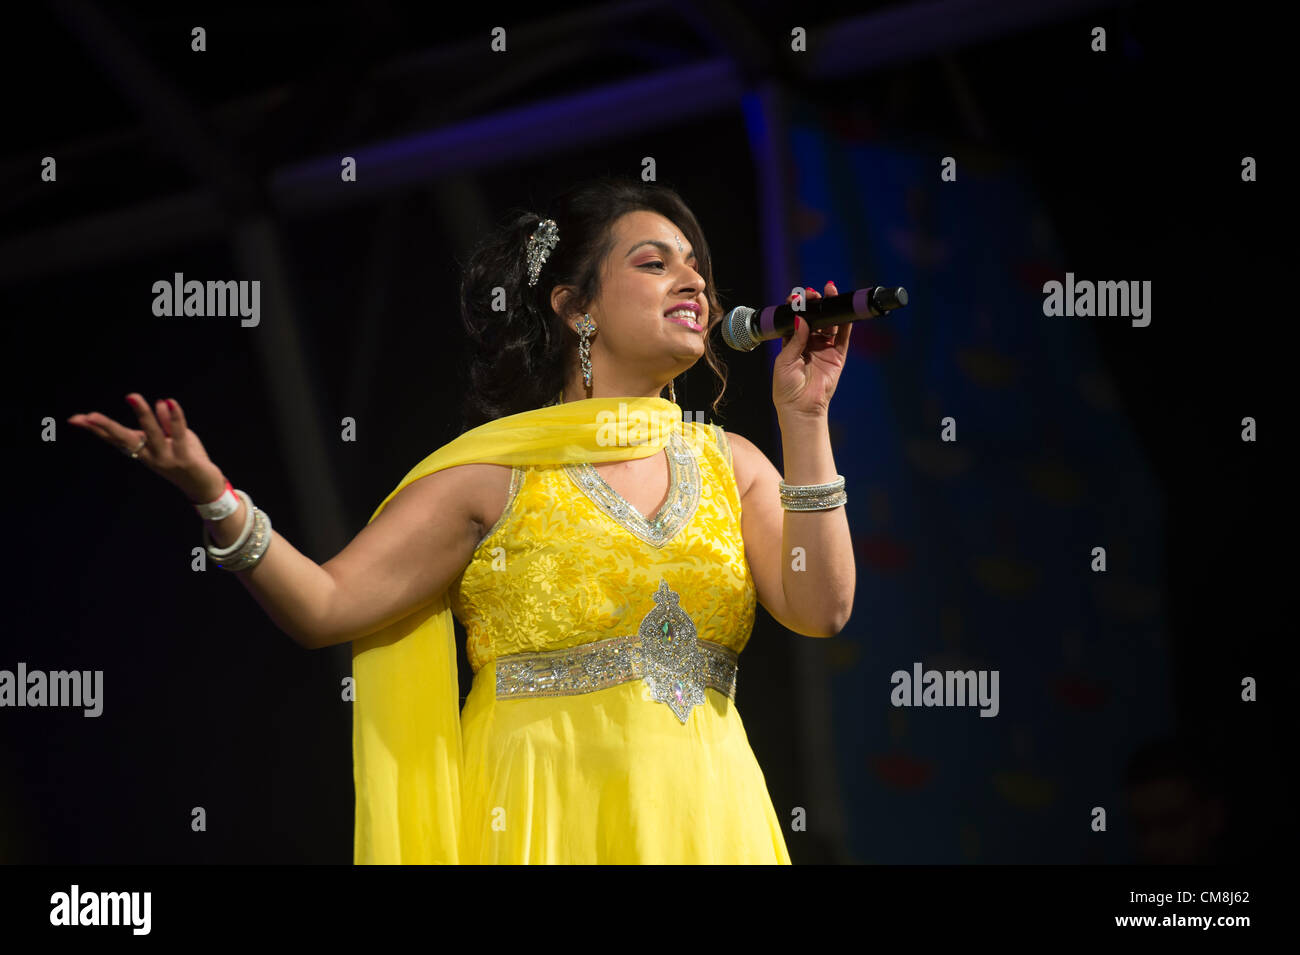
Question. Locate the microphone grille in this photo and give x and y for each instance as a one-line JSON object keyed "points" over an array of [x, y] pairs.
{"points": [[736, 329]]}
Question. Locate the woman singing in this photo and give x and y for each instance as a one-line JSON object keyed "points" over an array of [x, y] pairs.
{"points": [[604, 556]]}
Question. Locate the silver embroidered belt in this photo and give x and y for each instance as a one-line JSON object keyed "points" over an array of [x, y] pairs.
{"points": [[665, 652]]}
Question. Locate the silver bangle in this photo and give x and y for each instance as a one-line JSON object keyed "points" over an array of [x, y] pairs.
{"points": [[813, 497], [817, 505], [218, 553], [258, 542], [252, 543]]}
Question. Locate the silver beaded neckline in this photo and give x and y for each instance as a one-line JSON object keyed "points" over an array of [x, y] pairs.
{"points": [[677, 510]]}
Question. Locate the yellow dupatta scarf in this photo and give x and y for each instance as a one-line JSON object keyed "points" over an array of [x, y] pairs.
{"points": [[406, 741]]}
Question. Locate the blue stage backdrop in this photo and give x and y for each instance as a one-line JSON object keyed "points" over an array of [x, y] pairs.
{"points": [[978, 554]]}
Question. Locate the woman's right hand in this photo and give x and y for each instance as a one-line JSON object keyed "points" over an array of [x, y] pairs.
{"points": [[171, 450]]}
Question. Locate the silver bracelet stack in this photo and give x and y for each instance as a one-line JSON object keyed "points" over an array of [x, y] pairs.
{"points": [[814, 497], [253, 541]]}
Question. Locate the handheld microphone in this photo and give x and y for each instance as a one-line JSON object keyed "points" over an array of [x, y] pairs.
{"points": [[743, 327]]}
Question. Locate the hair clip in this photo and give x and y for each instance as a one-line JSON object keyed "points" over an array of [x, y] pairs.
{"points": [[540, 244]]}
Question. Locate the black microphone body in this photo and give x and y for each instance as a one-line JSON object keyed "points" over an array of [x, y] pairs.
{"points": [[743, 327]]}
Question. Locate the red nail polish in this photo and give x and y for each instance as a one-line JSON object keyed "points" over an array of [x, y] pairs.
{"points": [[796, 323], [171, 405]]}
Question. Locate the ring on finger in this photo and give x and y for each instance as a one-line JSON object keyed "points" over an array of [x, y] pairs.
{"points": [[136, 453]]}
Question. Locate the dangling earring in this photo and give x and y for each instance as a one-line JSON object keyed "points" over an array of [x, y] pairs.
{"points": [[585, 328], [672, 394]]}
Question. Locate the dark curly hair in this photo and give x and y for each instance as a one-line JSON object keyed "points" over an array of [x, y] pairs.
{"points": [[519, 357]]}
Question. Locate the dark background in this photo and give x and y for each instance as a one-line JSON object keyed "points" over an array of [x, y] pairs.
{"points": [[207, 703]]}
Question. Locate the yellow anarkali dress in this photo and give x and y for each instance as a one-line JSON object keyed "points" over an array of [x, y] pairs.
{"points": [[601, 726]]}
